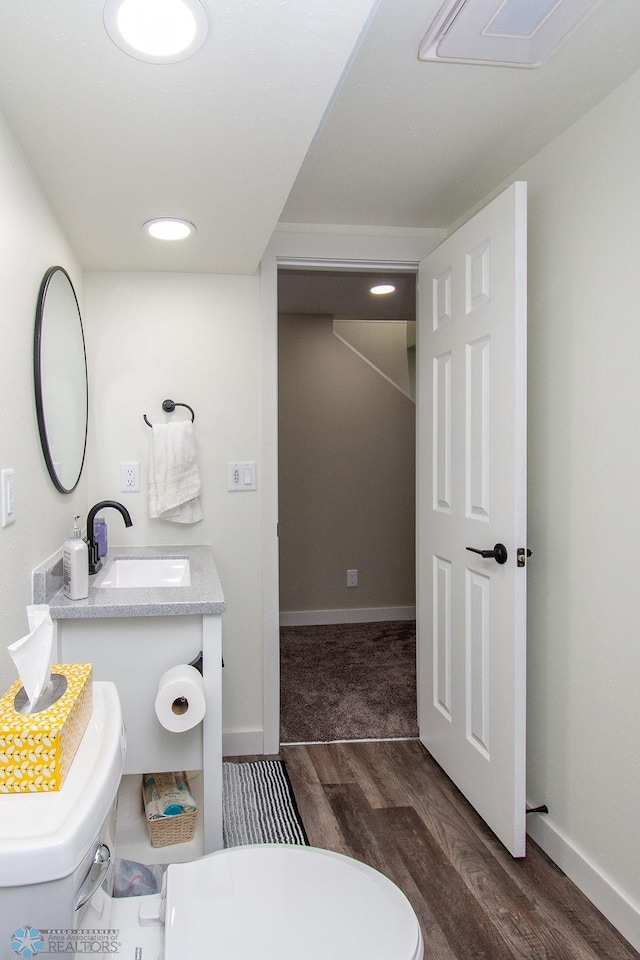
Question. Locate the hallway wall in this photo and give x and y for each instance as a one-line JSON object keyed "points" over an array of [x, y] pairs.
{"points": [[346, 476]]}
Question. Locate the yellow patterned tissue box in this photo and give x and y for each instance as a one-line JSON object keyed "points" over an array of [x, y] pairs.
{"points": [[36, 749]]}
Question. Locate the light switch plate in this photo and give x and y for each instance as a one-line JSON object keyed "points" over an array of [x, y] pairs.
{"points": [[7, 484], [241, 476]]}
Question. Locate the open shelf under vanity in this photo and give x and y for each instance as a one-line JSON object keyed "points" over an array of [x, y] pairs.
{"points": [[132, 834]]}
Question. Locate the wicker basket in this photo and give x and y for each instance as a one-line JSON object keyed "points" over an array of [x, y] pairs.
{"points": [[168, 830], [179, 828]]}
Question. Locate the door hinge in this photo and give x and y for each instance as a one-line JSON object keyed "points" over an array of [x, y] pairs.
{"points": [[522, 554]]}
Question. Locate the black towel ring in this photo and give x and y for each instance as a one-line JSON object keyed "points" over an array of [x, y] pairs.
{"points": [[169, 406]]}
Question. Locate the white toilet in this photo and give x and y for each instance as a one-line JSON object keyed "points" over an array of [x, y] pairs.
{"points": [[274, 901]]}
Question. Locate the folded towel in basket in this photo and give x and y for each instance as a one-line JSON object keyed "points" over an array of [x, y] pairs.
{"points": [[174, 478]]}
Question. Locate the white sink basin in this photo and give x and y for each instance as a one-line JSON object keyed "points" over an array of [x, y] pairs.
{"points": [[148, 572]]}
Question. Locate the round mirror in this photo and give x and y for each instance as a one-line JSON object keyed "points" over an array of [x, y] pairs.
{"points": [[60, 375]]}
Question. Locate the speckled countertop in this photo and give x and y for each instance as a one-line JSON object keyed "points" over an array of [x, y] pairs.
{"points": [[203, 596]]}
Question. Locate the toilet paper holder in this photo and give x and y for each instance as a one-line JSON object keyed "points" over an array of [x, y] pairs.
{"points": [[197, 664]]}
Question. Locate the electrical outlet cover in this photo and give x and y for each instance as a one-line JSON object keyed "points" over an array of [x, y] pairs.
{"points": [[130, 477]]}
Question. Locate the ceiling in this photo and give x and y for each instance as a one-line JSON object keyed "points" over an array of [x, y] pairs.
{"points": [[345, 295], [417, 144], [216, 139], [226, 139]]}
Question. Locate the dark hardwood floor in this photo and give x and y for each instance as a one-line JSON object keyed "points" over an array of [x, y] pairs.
{"points": [[389, 804]]}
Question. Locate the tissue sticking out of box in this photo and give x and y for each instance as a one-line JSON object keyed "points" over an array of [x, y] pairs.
{"points": [[33, 657]]}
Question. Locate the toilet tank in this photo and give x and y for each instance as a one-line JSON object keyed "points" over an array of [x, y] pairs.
{"points": [[49, 841]]}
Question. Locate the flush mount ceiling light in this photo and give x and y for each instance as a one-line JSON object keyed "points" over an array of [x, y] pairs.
{"points": [[169, 228], [381, 288], [157, 31], [509, 33]]}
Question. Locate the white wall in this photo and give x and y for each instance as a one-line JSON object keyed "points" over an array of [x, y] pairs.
{"points": [[195, 339], [30, 242], [584, 470]]}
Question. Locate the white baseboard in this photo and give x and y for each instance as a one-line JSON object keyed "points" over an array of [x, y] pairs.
{"points": [[242, 743], [309, 618], [600, 889]]}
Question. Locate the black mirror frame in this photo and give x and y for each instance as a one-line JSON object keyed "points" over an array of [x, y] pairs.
{"points": [[37, 379]]}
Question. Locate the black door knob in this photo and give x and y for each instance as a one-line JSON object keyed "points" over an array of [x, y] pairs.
{"points": [[499, 553]]}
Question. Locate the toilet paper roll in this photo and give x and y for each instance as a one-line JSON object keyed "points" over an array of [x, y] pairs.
{"points": [[180, 701]]}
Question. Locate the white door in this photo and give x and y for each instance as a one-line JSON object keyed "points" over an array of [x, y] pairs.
{"points": [[472, 493]]}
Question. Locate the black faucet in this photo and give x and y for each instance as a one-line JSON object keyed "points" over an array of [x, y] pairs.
{"points": [[94, 560]]}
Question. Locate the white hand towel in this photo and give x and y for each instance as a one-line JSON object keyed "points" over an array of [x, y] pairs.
{"points": [[174, 478]]}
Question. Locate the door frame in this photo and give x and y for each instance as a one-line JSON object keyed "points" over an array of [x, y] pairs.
{"points": [[323, 248]]}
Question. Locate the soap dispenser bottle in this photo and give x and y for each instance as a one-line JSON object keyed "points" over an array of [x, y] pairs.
{"points": [[75, 564]]}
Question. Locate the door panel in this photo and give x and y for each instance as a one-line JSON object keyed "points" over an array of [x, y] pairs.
{"points": [[472, 493]]}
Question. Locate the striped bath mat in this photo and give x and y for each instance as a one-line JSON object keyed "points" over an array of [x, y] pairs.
{"points": [[258, 805]]}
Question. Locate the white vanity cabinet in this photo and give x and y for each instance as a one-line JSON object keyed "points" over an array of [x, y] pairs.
{"points": [[132, 637]]}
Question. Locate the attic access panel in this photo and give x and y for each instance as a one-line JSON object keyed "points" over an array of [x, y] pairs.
{"points": [[510, 33]]}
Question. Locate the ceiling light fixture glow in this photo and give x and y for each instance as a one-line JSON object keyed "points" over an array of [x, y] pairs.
{"points": [[157, 31], [169, 228], [381, 288]]}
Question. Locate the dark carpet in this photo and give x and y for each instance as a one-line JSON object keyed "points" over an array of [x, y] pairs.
{"points": [[348, 681]]}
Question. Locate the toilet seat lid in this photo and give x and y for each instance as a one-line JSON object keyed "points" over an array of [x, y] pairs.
{"points": [[283, 901]]}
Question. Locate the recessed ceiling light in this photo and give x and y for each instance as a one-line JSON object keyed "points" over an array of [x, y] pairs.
{"points": [[382, 288], [169, 228], [157, 31]]}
